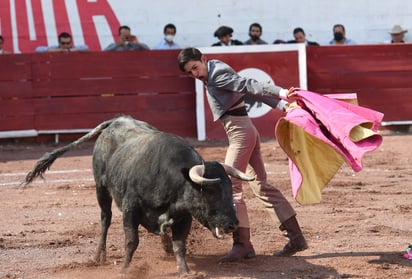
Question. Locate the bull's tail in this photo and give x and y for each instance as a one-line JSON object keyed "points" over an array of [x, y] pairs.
{"points": [[48, 158]]}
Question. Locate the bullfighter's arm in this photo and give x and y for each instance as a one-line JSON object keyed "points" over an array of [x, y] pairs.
{"points": [[271, 94]]}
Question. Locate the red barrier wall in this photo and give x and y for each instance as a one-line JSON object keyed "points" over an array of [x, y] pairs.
{"points": [[381, 75], [80, 90], [45, 91]]}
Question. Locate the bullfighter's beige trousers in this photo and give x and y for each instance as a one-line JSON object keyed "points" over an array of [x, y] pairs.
{"points": [[244, 154]]}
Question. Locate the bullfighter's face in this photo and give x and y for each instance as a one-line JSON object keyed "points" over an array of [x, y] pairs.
{"points": [[197, 69]]}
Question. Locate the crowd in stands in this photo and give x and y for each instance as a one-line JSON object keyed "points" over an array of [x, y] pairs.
{"points": [[126, 40]]}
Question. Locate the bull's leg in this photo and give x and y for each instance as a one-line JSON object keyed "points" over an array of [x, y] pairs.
{"points": [[167, 243], [180, 232], [130, 226], [105, 202]]}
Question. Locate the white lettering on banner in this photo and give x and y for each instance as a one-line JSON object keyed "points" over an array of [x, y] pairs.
{"points": [[47, 9], [28, 24], [32, 30], [74, 19]]}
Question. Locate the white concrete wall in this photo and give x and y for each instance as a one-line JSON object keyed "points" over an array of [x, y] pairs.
{"points": [[366, 21]]}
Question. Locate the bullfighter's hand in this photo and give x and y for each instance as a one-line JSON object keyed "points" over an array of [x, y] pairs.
{"points": [[292, 95]]}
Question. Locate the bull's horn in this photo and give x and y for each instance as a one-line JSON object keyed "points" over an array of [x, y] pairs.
{"points": [[237, 173], [196, 175]]}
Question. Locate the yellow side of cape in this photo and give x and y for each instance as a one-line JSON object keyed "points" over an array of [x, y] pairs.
{"points": [[316, 160]]}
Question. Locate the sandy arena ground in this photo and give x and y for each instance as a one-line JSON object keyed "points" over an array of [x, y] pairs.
{"points": [[360, 230]]}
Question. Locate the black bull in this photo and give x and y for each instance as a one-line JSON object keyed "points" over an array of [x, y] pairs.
{"points": [[157, 180]]}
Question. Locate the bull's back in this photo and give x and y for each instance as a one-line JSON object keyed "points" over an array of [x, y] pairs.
{"points": [[118, 133], [120, 130], [150, 167]]}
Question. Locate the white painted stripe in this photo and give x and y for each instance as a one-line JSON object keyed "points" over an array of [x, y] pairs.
{"points": [[401, 122], [48, 181], [200, 111], [30, 21], [277, 172], [50, 22], [48, 172], [19, 176], [18, 134], [75, 22], [14, 26]]}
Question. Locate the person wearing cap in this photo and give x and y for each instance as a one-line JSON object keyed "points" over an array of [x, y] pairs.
{"points": [[397, 34], [224, 34]]}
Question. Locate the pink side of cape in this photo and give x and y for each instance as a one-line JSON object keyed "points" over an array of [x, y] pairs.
{"points": [[339, 118]]}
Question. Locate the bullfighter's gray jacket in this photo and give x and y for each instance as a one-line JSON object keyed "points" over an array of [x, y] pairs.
{"points": [[225, 88]]}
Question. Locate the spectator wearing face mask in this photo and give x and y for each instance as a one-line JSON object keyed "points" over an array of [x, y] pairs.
{"points": [[339, 36], [255, 31], [167, 42]]}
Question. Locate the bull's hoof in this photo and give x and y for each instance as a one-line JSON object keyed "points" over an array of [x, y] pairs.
{"points": [[100, 257]]}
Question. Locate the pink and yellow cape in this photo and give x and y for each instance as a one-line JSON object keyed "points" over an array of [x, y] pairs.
{"points": [[319, 134]]}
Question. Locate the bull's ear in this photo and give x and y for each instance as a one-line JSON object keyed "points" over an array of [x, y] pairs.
{"points": [[237, 173]]}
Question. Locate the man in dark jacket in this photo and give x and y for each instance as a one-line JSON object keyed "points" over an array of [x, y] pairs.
{"points": [[224, 34], [300, 37]]}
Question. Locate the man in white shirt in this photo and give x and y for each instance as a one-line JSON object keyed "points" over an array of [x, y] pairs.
{"points": [[167, 42], [65, 45]]}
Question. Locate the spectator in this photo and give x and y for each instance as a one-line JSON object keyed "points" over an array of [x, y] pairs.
{"points": [[224, 34], [300, 37], [397, 35], [2, 51], [255, 31], [65, 45], [225, 93], [167, 42], [339, 36], [126, 41], [279, 42]]}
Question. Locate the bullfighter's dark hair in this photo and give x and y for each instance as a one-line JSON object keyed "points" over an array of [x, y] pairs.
{"points": [[188, 54]]}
